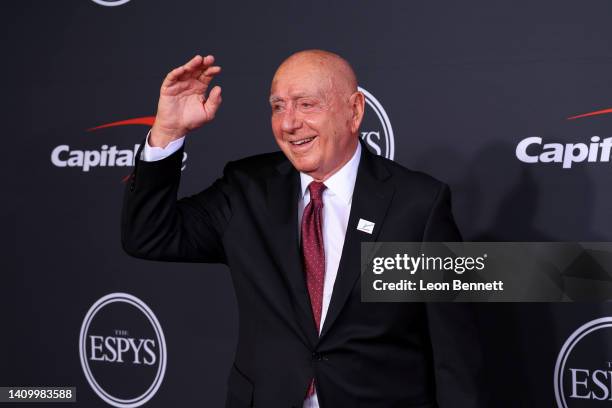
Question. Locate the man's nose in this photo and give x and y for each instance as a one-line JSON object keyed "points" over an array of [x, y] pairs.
{"points": [[291, 122]]}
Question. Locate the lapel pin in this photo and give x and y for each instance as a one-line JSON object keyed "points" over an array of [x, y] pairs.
{"points": [[365, 226]]}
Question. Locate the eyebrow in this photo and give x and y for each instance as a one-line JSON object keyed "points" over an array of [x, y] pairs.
{"points": [[275, 98]]}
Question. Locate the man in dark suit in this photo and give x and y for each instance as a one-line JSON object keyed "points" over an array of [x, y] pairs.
{"points": [[286, 225]]}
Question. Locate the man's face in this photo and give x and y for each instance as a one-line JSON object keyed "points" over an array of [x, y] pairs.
{"points": [[311, 119]]}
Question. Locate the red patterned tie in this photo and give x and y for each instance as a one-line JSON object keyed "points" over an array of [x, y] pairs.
{"points": [[313, 254]]}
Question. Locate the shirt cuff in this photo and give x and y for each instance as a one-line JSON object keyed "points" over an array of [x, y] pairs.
{"points": [[150, 153]]}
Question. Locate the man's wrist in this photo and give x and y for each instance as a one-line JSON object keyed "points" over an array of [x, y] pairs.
{"points": [[152, 153], [160, 137]]}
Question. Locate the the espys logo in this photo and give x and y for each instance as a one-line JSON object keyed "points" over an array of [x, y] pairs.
{"points": [[534, 150], [122, 350], [110, 3], [377, 133], [583, 372]]}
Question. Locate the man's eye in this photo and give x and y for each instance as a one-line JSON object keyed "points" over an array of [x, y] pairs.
{"points": [[306, 105], [277, 108]]}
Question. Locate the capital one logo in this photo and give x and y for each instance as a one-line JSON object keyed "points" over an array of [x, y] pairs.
{"points": [[377, 132], [535, 149], [122, 350], [105, 156], [583, 372]]}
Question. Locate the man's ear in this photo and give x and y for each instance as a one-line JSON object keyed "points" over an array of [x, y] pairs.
{"points": [[357, 105]]}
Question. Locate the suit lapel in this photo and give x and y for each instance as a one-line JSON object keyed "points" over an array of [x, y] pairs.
{"points": [[283, 196], [371, 199]]}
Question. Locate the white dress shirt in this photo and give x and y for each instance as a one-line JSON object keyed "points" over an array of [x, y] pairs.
{"points": [[150, 153], [337, 200]]}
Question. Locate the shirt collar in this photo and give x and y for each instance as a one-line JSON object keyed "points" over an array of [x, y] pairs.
{"points": [[342, 182]]}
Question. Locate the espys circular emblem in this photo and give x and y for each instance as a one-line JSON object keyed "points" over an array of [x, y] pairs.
{"points": [[583, 372], [122, 350], [110, 3], [377, 132]]}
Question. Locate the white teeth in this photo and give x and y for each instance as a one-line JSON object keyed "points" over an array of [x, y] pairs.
{"points": [[300, 142]]}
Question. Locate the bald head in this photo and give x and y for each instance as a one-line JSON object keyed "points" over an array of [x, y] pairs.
{"points": [[328, 66], [316, 111]]}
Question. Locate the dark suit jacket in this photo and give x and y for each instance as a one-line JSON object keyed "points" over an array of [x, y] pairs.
{"points": [[369, 354]]}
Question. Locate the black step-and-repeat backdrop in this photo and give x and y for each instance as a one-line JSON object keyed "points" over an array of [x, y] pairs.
{"points": [[508, 102]]}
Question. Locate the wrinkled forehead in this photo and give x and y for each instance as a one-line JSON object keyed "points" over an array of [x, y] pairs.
{"points": [[300, 80]]}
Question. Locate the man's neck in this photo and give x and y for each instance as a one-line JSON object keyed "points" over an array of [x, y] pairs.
{"points": [[342, 181]]}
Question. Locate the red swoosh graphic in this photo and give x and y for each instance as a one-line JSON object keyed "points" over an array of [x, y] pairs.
{"points": [[145, 120], [595, 113]]}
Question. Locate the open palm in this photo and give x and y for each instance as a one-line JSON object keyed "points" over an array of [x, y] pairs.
{"points": [[183, 105]]}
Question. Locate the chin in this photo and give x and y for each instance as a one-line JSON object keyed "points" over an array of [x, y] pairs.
{"points": [[304, 166]]}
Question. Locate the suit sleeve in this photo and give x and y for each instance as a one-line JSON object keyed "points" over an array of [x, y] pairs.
{"points": [[441, 226], [457, 353], [154, 225]]}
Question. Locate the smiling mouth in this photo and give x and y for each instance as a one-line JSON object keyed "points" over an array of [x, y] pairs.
{"points": [[302, 141]]}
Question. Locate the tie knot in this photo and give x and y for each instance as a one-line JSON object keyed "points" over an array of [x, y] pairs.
{"points": [[316, 191]]}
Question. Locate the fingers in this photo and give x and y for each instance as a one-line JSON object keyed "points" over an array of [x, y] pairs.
{"points": [[207, 61], [173, 76], [176, 73], [193, 68], [213, 102], [208, 74], [195, 62]]}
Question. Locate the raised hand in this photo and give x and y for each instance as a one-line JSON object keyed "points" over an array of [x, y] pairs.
{"points": [[183, 105]]}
